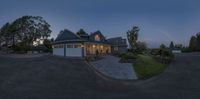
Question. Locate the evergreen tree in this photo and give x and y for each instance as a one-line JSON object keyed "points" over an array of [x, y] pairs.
{"points": [[163, 46], [192, 44], [171, 46], [132, 36], [198, 41], [81, 32]]}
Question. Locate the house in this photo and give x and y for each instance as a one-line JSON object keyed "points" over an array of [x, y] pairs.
{"points": [[118, 45], [68, 44]]}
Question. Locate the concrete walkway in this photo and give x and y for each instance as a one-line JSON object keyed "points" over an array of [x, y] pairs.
{"points": [[111, 67]]}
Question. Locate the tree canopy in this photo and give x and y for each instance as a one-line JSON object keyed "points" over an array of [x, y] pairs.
{"points": [[171, 46], [194, 44], [81, 32], [132, 36], [25, 30], [163, 46]]}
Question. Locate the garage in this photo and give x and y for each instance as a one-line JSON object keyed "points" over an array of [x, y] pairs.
{"points": [[68, 50], [74, 50], [58, 50]]}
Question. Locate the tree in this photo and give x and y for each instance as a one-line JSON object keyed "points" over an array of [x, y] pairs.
{"points": [[141, 47], [25, 30], [81, 32], [171, 46], [198, 41], [162, 46], [193, 42], [132, 36], [48, 45], [31, 28], [5, 33]]}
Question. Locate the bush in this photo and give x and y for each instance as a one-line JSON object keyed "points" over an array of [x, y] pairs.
{"points": [[20, 48], [128, 55], [162, 55], [162, 52]]}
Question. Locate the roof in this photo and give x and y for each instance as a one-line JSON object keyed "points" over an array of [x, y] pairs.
{"points": [[69, 37], [117, 41], [114, 39], [92, 36], [66, 35]]}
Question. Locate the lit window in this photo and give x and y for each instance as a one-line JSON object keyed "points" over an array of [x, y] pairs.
{"points": [[97, 38], [77, 46]]}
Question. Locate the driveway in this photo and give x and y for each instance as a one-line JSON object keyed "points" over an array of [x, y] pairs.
{"points": [[60, 78], [55, 78], [111, 67]]}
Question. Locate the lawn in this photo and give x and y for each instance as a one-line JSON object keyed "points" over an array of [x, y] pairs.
{"points": [[146, 67]]}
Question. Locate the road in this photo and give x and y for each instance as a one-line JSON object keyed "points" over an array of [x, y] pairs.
{"points": [[60, 78]]}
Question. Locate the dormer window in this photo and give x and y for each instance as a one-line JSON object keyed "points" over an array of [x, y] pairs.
{"points": [[97, 38]]}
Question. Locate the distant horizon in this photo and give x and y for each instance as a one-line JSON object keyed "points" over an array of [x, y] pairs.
{"points": [[159, 21]]}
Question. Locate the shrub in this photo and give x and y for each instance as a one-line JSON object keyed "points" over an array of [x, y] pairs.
{"points": [[128, 55], [89, 58], [162, 55], [162, 52]]}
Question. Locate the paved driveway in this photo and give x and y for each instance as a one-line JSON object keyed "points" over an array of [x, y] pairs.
{"points": [[111, 67], [54, 78], [59, 78]]}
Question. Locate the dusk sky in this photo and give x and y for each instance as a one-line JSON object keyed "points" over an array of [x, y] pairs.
{"points": [[160, 21]]}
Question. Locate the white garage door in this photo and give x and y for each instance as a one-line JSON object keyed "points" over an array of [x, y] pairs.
{"points": [[73, 50], [58, 51]]}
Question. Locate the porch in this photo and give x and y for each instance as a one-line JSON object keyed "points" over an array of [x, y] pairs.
{"points": [[95, 48]]}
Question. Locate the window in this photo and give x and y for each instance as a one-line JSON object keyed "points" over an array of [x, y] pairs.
{"points": [[77, 46], [58, 46], [69, 46], [61, 46], [97, 38], [115, 48]]}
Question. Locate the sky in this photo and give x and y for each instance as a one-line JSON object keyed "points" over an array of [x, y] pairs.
{"points": [[160, 21]]}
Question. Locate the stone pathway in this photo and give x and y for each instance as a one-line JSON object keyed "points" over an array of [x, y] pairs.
{"points": [[111, 67]]}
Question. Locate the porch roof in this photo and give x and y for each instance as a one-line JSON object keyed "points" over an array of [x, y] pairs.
{"points": [[69, 41]]}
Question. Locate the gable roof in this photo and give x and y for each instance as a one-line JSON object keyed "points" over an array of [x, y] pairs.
{"points": [[66, 35], [92, 36]]}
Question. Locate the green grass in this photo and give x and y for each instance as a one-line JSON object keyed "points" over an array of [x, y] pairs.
{"points": [[146, 67]]}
